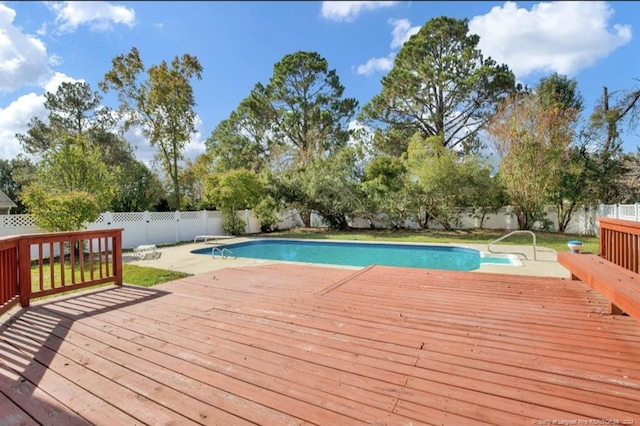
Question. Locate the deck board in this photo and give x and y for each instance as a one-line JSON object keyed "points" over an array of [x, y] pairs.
{"points": [[295, 344]]}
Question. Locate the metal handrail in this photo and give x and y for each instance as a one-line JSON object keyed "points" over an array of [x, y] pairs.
{"points": [[514, 233], [224, 253]]}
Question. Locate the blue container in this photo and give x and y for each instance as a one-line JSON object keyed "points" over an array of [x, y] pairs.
{"points": [[574, 246]]}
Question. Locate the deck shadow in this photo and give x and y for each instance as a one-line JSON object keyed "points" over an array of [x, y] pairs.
{"points": [[29, 343]]}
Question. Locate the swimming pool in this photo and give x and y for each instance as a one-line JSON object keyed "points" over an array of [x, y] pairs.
{"points": [[364, 254]]}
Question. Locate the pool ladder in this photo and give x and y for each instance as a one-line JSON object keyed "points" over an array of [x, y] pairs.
{"points": [[514, 233], [223, 252]]}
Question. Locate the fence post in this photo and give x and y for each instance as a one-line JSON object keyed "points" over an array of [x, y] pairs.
{"points": [[616, 211], [146, 217], [176, 215], [637, 206], [108, 217], [204, 222]]}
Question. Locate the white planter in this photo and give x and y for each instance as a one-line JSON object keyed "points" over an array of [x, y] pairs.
{"points": [[575, 246]]}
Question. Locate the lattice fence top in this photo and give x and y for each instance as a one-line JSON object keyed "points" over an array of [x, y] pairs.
{"points": [[627, 210], [214, 214], [101, 218], [18, 220], [162, 216], [191, 215], [127, 217]]}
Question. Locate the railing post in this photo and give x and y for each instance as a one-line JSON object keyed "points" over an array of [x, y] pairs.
{"points": [[24, 271], [117, 256]]}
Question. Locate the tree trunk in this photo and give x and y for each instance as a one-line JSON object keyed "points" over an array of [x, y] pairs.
{"points": [[305, 215], [176, 184]]}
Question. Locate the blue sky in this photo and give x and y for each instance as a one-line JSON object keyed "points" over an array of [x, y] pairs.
{"points": [[237, 43]]}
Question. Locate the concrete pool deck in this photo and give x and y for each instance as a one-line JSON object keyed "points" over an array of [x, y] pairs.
{"points": [[180, 258]]}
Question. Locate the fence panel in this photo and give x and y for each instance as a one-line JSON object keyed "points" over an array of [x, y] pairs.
{"points": [[161, 228], [190, 224], [214, 223]]}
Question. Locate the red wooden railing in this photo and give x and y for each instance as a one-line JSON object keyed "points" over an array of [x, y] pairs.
{"points": [[620, 242], [36, 265], [9, 284]]}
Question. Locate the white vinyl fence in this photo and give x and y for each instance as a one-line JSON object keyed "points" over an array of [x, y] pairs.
{"points": [[151, 227], [620, 211], [583, 221], [167, 227]]}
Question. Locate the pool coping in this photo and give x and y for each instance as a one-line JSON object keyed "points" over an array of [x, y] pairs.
{"points": [[513, 258], [179, 258]]}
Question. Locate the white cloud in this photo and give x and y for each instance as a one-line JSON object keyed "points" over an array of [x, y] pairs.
{"points": [[347, 11], [98, 15], [376, 64], [57, 79], [23, 57], [16, 116], [42, 31], [402, 31], [15, 119], [564, 37], [400, 34]]}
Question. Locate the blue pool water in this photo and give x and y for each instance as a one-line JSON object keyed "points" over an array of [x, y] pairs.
{"points": [[362, 254]]}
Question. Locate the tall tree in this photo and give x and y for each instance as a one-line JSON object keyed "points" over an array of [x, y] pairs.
{"points": [[440, 85], [532, 135], [160, 99], [15, 175], [303, 104], [441, 181], [624, 110], [138, 188], [629, 183], [330, 186], [239, 141], [232, 191], [615, 110], [74, 110], [71, 173], [385, 189], [559, 94], [298, 117], [192, 179]]}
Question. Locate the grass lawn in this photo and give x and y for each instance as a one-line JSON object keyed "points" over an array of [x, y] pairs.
{"points": [[551, 240], [144, 276], [131, 274]]}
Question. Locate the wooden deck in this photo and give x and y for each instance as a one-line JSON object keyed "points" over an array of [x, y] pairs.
{"points": [[287, 344]]}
